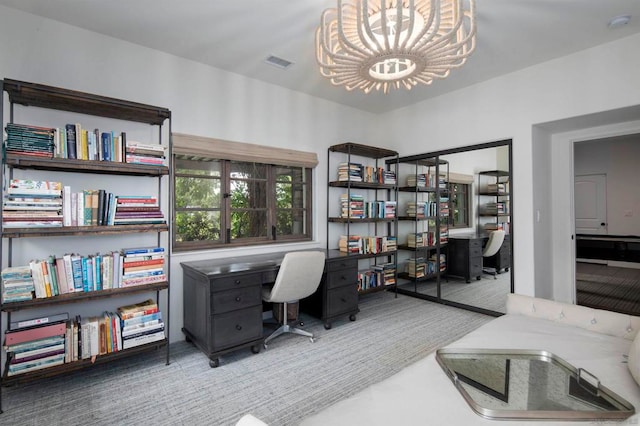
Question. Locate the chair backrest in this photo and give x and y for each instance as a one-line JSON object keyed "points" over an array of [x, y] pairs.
{"points": [[299, 276], [496, 238]]}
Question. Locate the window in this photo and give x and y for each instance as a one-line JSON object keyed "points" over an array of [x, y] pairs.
{"points": [[224, 202], [459, 196]]}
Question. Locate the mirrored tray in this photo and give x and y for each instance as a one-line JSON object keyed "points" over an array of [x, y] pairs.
{"points": [[529, 384]]}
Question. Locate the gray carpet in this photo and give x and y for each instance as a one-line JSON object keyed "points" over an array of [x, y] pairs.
{"points": [[282, 385], [607, 287]]}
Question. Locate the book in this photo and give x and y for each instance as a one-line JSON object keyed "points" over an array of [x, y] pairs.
{"points": [[38, 321], [13, 337], [142, 340], [71, 141], [138, 309]]}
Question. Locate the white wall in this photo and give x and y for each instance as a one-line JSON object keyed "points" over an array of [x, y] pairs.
{"points": [[508, 107], [203, 101]]}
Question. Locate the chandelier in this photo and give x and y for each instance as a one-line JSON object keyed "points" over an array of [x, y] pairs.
{"points": [[383, 44]]}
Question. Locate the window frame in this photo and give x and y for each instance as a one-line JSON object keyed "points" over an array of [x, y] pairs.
{"points": [[225, 240], [452, 206]]}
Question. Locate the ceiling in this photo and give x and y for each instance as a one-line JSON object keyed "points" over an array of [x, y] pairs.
{"points": [[237, 35]]}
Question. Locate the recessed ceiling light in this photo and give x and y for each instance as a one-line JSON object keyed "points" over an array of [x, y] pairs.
{"points": [[278, 62], [619, 21]]}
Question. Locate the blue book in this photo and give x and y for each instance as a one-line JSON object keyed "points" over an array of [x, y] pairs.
{"points": [[142, 250], [98, 274], [76, 268], [85, 275], [106, 146]]}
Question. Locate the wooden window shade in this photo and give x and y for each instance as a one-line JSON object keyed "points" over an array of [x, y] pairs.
{"points": [[460, 178], [237, 151]]}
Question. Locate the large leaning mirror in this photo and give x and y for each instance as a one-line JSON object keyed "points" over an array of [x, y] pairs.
{"points": [[460, 252]]}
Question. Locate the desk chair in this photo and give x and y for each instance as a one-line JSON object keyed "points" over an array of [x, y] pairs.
{"points": [[299, 276], [496, 238]]}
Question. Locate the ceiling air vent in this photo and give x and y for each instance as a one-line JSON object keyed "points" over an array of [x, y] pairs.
{"points": [[278, 62]]}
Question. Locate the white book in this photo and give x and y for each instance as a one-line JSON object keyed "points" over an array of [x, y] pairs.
{"points": [[68, 269], [142, 340], [66, 206]]}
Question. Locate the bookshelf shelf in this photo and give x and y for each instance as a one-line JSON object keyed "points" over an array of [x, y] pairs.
{"points": [[82, 230], [84, 166], [360, 185], [81, 364], [82, 296], [31, 167]]}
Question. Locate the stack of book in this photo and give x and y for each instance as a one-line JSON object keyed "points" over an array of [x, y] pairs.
{"points": [[32, 204], [389, 177], [89, 207], [356, 244], [497, 188], [419, 180], [17, 284], [499, 208], [380, 209], [432, 266], [416, 268], [146, 154], [352, 206], [350, 244], [31, 141], [421, 239], [350, 172], [141, 323], [137, 210], [35, 344], [444, 234], [142, 265], [386, 273], [444, 207]]}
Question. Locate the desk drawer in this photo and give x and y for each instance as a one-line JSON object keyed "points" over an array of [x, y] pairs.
{"points": [[342, 277], [475, 252], [235, 328], [335, 265], [339, 300], [239, 298], [237, 281]]}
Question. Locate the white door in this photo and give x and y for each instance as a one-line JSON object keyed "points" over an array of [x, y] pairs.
{"points": [[590, 200]]}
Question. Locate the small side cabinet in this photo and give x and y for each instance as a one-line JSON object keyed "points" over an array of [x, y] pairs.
{"points": [[465, 257], [337, 295], [222, 313]]}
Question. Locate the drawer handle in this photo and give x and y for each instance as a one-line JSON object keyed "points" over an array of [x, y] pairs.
{"points": [[238, 327], [237, 282], [343, 300], [238, 299]]}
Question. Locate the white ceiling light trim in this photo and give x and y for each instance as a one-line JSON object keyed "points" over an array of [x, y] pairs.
{"points": [[382, 44]]}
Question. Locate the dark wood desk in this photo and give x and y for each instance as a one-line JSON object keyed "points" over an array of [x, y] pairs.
{"points": [[465, 256], [223, 299]]}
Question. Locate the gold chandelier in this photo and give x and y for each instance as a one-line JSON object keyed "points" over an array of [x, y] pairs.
{"points": [[382, 44]]}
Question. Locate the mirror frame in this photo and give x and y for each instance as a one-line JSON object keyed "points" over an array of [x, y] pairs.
{"points": [[437, 154]]}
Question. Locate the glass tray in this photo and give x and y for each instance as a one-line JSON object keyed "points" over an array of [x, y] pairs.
{"points": [[529, 385]]}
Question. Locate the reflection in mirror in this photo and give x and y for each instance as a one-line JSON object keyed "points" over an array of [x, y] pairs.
{"points": [[479, 272], [449, 205]]}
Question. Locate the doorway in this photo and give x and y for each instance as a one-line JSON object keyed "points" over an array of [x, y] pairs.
{"points": [[607, 230]]}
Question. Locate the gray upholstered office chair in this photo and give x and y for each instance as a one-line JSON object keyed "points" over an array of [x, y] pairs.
{"points": [[299, 275], [496, 238]]}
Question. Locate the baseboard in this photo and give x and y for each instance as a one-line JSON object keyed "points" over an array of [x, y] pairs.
{"points": [[596, 261], [619, 264]]}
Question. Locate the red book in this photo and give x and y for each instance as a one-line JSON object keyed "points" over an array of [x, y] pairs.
{"points": [[20, 336], [144, 262]]}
